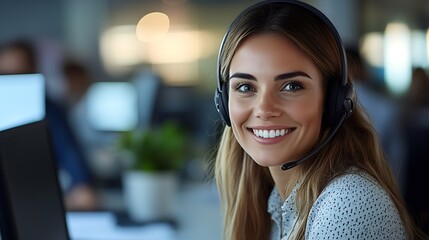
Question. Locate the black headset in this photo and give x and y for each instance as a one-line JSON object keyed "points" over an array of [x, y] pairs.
{"points": [[339, 97]]}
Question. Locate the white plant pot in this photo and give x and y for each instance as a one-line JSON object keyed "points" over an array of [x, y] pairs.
{"points": [[150, 196]]}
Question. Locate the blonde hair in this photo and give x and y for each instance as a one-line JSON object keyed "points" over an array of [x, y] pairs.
{"points": [[245, 186]]}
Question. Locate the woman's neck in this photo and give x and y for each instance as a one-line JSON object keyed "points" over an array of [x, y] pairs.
{"points": [[284, 180]]}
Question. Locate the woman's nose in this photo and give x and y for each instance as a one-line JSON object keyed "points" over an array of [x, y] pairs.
{"points": [[267, 106]]}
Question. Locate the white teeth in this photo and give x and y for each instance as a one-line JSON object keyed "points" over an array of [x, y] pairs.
{"points": [[265, 134], [270, 133]]}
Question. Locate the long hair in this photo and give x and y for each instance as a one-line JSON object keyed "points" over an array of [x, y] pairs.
{"points": [[245, 186]]}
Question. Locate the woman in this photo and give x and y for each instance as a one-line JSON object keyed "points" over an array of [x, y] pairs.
{"points": [[281, 68]]}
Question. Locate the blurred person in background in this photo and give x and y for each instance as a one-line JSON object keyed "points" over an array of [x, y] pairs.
{"points": [[78, 80], [415, 129], [417, 95], [20, 57]]}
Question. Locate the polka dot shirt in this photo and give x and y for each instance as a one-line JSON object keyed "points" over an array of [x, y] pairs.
{"points": [[352, 206]]}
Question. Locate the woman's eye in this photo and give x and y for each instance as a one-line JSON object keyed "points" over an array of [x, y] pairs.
{"points": [[293, 87], [245, 88]]}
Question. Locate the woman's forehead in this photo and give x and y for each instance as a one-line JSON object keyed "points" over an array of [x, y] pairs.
{"points": [[270, 52]]}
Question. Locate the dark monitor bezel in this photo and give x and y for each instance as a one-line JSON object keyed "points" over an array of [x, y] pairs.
{"points": [[43, 215]]}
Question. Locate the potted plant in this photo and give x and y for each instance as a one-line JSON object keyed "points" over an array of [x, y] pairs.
{"points": [[150, 185]]}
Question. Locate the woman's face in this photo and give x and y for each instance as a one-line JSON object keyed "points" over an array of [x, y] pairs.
{"points": [[275, 99]]}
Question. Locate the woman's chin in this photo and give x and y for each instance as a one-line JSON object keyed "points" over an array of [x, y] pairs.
{"points": [[269, 162]]}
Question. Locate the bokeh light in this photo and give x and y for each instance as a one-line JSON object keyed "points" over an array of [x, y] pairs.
{"points": [[153, 27]]}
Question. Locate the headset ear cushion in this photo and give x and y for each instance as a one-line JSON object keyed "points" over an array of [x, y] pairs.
{"points": [[349, 98], [339, 101], [330, 103], [221, 102]]}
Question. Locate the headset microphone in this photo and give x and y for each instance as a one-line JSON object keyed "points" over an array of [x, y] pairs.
{"points": [[315, 150]]}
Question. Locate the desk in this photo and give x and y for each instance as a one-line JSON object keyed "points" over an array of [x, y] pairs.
{"points": [[102, 226], [198, 217]]}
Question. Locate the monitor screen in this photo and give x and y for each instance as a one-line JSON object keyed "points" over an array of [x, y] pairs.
{"points": [[21, 99], [112, 106]]}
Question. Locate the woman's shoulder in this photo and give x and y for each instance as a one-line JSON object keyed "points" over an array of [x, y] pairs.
{"points": [[354, 192], [353, 183], [355, 205]]}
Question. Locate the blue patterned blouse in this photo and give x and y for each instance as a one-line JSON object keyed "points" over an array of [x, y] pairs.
{"points": [[352, 206]]}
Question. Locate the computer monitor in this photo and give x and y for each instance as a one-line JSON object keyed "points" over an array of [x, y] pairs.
{"points": [[31, 205], [112, 106]]}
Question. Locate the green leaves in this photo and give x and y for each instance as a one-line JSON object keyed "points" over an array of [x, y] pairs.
{"points": [[157, 149]]}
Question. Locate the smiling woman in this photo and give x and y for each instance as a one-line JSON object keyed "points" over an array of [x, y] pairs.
{"points": [[287, 102]]}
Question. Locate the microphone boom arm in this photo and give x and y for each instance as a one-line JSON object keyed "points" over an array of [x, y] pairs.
{"points": [[315, 150]]}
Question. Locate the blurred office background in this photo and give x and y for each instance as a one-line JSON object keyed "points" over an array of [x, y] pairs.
{"points": [[122, 65]]}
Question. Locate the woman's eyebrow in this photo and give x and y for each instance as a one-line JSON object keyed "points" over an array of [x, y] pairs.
{"points": [[243, 76], [291, 75], [278, 77]]}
